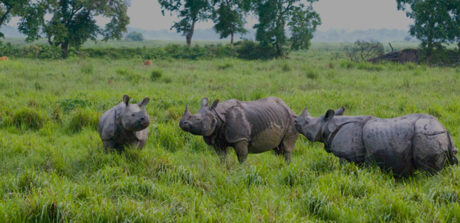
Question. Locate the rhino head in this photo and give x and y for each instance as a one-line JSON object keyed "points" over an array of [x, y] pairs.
{"points": [[134, 117], [202, 123], [311, 127]]}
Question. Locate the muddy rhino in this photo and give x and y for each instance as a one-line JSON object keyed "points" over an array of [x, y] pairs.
{"points": [[247, 126], [124, 125], [402, 145]]}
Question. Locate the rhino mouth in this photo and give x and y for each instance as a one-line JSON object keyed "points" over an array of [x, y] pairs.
{"points": [[298, 126]]}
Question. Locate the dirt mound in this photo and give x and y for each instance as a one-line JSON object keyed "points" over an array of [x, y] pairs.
{"points": [[403, 56]]}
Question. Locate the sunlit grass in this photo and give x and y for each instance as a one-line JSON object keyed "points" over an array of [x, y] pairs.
{"points": [[56, 170]]}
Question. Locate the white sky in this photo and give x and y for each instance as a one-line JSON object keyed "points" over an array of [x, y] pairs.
{"points": [[335, 14]]}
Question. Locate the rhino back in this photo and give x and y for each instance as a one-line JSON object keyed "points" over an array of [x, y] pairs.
{"points": [[388, 142], [263, 123], [107, 126], [347, 143]]}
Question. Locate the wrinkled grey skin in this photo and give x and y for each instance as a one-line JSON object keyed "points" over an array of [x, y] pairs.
{"points": [[402, 145], [124, 125], [247, 126]]}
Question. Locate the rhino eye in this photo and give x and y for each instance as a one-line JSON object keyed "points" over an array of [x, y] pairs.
{"points": [[132, 115]]}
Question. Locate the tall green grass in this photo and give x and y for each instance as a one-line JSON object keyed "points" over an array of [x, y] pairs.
{"points": [[53, 168]]}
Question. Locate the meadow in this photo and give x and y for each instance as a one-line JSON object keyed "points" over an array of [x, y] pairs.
{"points": [[53, 168]]}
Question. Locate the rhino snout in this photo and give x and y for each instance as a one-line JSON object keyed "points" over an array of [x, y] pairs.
{"points": [[185, 125], [144, 121], [298, 126]]}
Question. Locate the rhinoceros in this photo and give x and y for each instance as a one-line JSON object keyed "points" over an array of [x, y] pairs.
{"points": [[247, 126], [124, 125], [401, 145]]}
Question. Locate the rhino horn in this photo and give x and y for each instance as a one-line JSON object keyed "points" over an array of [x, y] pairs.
{"points": [[186, 112]]}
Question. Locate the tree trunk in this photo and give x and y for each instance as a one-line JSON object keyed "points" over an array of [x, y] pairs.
{"points": [[429, 51], [65, 49], [231, 39], [189, 35]]}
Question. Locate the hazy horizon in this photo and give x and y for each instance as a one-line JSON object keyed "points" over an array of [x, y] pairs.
{"points": [[335, 14]]}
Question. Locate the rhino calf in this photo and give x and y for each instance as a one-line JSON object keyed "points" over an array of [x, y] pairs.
{"points": [[124, 125], [247, 126], [402, 145]]}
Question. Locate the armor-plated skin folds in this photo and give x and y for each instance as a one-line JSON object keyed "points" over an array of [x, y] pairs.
{"points": [[247, 126], [401, 145], [124, 125]]}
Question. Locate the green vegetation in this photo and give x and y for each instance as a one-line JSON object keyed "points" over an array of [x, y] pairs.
{"points": [[53, 168], [436, 23], [134, 36], [72, 22]]}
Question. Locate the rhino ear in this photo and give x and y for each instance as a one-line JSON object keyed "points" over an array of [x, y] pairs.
{"points": [[340, 111], [304, 112], [329, 115], [204, 102], [214, 104], [126, 99], [144, 102]]}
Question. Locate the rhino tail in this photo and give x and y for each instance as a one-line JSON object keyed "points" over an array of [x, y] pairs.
{"points": [[451, 151]]}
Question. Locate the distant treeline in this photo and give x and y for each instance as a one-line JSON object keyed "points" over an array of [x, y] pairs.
{"points": [[243, 49]]}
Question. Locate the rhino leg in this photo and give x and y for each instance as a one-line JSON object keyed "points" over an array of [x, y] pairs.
{"points": [[109, 145], [241, 149], [221, 152], [140, 144], [287, 145]]}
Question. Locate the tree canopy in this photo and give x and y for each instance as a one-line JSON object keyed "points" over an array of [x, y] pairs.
{"points": [[10, 8], [275, 15], [189, 12], [435, 22], [228, 17], [73, 21]]}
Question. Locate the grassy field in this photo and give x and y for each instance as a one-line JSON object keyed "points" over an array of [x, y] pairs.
{"points": [[53, 167]]}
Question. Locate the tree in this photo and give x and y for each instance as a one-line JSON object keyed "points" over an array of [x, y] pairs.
{"points": [[302, 25], [435, 22], [73, 22], [10, 8], [190, 12], [274, 15], [228, 16], [364, 50], [135, 36]]}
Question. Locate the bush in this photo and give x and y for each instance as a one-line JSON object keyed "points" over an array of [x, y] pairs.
{"points": [[28, 118], [87, 69], [83, 118], [134, 77], [225, 66], [363, 50], [285, 67], [311, 74], [251, 50], [156, 74], [135, 36], [70, 104]]}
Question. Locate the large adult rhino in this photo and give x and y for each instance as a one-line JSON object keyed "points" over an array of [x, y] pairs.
{"points": [[247, 126], [402, 145]]}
